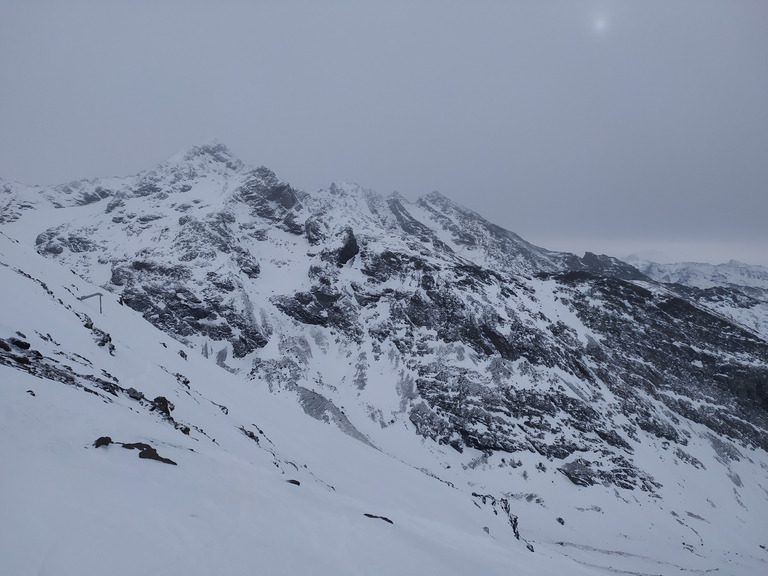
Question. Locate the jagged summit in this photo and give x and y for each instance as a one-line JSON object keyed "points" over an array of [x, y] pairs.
{"points": [[212, 159], [212, 152]]}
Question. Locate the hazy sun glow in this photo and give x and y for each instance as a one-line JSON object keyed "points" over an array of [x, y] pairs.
{"points": [[599, 24]]}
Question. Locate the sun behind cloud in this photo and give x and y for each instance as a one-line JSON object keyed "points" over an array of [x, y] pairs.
{"points": [[600, 24]]}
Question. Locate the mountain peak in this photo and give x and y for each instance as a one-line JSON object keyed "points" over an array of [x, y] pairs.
{"points": [[436, 196], [518, 382], [212, 152]]}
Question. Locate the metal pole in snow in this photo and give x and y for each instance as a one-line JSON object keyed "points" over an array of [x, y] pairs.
{"points": [[99, 294]]}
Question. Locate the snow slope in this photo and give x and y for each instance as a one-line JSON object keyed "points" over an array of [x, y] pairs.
{"points": [[230, 504], [227, 506]]}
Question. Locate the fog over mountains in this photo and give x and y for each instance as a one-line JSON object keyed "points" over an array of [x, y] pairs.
{"points": [[340, 381]]}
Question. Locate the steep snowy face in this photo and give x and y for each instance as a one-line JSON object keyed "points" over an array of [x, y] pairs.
{"points": [[405, 323]]}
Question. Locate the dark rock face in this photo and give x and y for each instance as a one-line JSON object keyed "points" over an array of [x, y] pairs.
{"points": [[159, 292], [162, 405], [584, 473], [319, 307], [272, 199], [694, 370], [606, 266], [57, 240], [350, 249], [313, 230]]}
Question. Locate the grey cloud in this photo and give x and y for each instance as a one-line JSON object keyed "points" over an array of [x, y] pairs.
{"points": [[614, 121]]}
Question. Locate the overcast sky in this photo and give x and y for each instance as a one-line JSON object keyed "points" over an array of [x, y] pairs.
{"points": [[608, 126]]}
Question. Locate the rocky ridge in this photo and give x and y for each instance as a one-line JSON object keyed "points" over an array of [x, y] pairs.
{"points": [[375, 310]]}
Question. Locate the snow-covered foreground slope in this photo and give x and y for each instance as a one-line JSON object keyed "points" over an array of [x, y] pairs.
{"points": [[257, 487], [229, 505]]}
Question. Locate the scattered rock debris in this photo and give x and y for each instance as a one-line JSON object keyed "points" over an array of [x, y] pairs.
{"points": [[250, 434], [183, 380], [500, 503], [102, 441], [145, 450]]}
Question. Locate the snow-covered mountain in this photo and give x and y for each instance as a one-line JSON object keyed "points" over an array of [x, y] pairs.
{"points": [[503, 405], [700, 275], [736, 290]]}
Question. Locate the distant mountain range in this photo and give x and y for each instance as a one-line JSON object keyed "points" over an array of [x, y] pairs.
{"points": [[736, 290], [507, 405], [699, 275]]}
